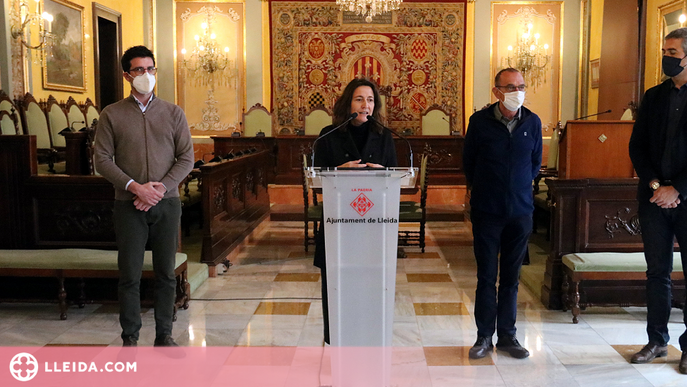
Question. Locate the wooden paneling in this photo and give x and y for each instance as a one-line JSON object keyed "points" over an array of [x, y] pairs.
{"points": [[593, 215], [235, 201], [17, 164], [445, 164]]}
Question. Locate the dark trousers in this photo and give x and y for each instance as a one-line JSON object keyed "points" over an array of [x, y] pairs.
{"points": [[159, 228], [507, 237], [660, 227]]}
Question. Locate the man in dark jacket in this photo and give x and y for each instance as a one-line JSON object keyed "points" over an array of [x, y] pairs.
{"points": [[658, 149], [501, 157]]}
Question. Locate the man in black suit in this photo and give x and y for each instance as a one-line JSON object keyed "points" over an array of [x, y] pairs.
{"points": [[658, 149]]}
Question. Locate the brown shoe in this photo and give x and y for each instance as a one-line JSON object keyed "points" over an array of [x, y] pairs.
{"points": [[649, 353], [683, 363]]}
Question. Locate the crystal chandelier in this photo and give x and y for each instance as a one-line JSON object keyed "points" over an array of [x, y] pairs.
{"points": [[530, 57], [368, 8], [25, 21], [208, 62]]}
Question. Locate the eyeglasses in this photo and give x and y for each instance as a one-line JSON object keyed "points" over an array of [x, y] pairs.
{"points": [[512, 88], [141, 70]]}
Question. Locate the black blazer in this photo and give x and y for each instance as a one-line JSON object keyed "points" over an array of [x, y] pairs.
{"points": [[338, 148], [648, 142]]}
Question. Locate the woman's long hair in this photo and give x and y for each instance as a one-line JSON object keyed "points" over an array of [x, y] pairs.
{"points": [[342, 107]]}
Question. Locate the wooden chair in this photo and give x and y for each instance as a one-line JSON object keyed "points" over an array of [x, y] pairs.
{"points": [[90, 111], [257, 120], [312, 211], [75, 116], [415, 212], [316, 120], [436, 122], [35, 122], [542, 198], [10, 122], [57, 122], [9, 116]]}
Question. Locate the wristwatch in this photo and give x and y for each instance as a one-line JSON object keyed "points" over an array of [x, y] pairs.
{"points": [[655, 185]]}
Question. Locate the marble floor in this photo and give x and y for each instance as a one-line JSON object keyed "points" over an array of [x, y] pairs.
{"points": [[271, 297]]}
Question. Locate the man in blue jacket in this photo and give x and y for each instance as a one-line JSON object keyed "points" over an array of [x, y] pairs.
{"points": [[501, 157]]}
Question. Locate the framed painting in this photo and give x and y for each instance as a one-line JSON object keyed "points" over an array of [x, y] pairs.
{"points": [[64, 61], [594, 72]]}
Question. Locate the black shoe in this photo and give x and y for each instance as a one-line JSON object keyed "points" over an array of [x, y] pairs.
{"points": [[481, 348], [683, 363], [129, 342], [511, 345], [649, 353], [165, 341]]}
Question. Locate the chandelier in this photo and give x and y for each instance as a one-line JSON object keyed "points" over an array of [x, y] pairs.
{"points": [[26, 21], [208, 62], [530, 57], [368, 8]]}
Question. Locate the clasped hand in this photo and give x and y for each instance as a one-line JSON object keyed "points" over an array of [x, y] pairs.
{"points": [[666, 197], [358, 164], [147, 195]]}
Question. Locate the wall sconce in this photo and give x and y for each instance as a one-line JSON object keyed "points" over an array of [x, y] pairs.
{"points": [[23, 17]]}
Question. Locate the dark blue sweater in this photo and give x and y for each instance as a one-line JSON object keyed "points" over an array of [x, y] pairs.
{"points": [[500, 165]]}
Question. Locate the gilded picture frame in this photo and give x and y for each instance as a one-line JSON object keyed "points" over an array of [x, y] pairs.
{"points": [[594, 73], [64, 61]]}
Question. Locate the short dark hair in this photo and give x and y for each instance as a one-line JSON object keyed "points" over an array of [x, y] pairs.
{"points": [[342, 106], [680, 33], [506, 70], [135, 52]]}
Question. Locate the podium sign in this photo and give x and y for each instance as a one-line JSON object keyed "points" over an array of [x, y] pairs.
{"points": [[361, 232]]}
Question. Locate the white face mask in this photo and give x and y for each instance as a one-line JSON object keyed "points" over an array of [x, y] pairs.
{"points": [[513, 100], [144, 83]]}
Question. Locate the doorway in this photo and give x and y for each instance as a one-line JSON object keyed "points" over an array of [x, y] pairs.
{"points": [[107, 41]]}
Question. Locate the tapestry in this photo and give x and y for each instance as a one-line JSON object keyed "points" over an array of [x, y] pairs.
{"points": [[416, 56]]}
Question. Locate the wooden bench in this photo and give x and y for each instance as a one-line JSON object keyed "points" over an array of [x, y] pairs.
{"points": [[84, 263], [604, 266]]}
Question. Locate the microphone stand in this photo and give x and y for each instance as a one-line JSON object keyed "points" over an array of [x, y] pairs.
{"points": [[592, 115], [579, 118], [410, 148], [312, 157]]}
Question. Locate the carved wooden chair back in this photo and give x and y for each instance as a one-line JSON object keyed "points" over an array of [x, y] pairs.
{"points": [[12, 114], [257, 119], [36, 122], [10, 120], [316, 120], [57, 122], [436, 122], [75, 116], [90, 111]]}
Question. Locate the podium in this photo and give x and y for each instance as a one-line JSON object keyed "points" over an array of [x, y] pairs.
{"points": [[595, 149], [361, 231]]}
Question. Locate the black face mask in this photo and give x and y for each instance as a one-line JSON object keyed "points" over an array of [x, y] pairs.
{"points": [[671, 66]]}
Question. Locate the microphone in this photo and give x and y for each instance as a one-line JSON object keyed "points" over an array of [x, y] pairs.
{"points": [[76, 122], [351, 117], [410, 149], [592, 115]]}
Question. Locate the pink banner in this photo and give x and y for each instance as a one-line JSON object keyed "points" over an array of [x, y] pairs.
{"points": [[210, 366]]}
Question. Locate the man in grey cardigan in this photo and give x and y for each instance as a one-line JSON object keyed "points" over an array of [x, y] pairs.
{"points": [[143, 147]]}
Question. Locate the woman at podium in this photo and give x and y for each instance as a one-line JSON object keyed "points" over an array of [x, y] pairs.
{"points": [[356, 139]]}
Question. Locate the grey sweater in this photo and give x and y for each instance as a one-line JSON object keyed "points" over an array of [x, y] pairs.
{"points": [[152, 146]]}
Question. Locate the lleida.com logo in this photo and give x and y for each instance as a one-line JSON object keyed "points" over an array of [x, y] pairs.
{"points": [[23, 367]]}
